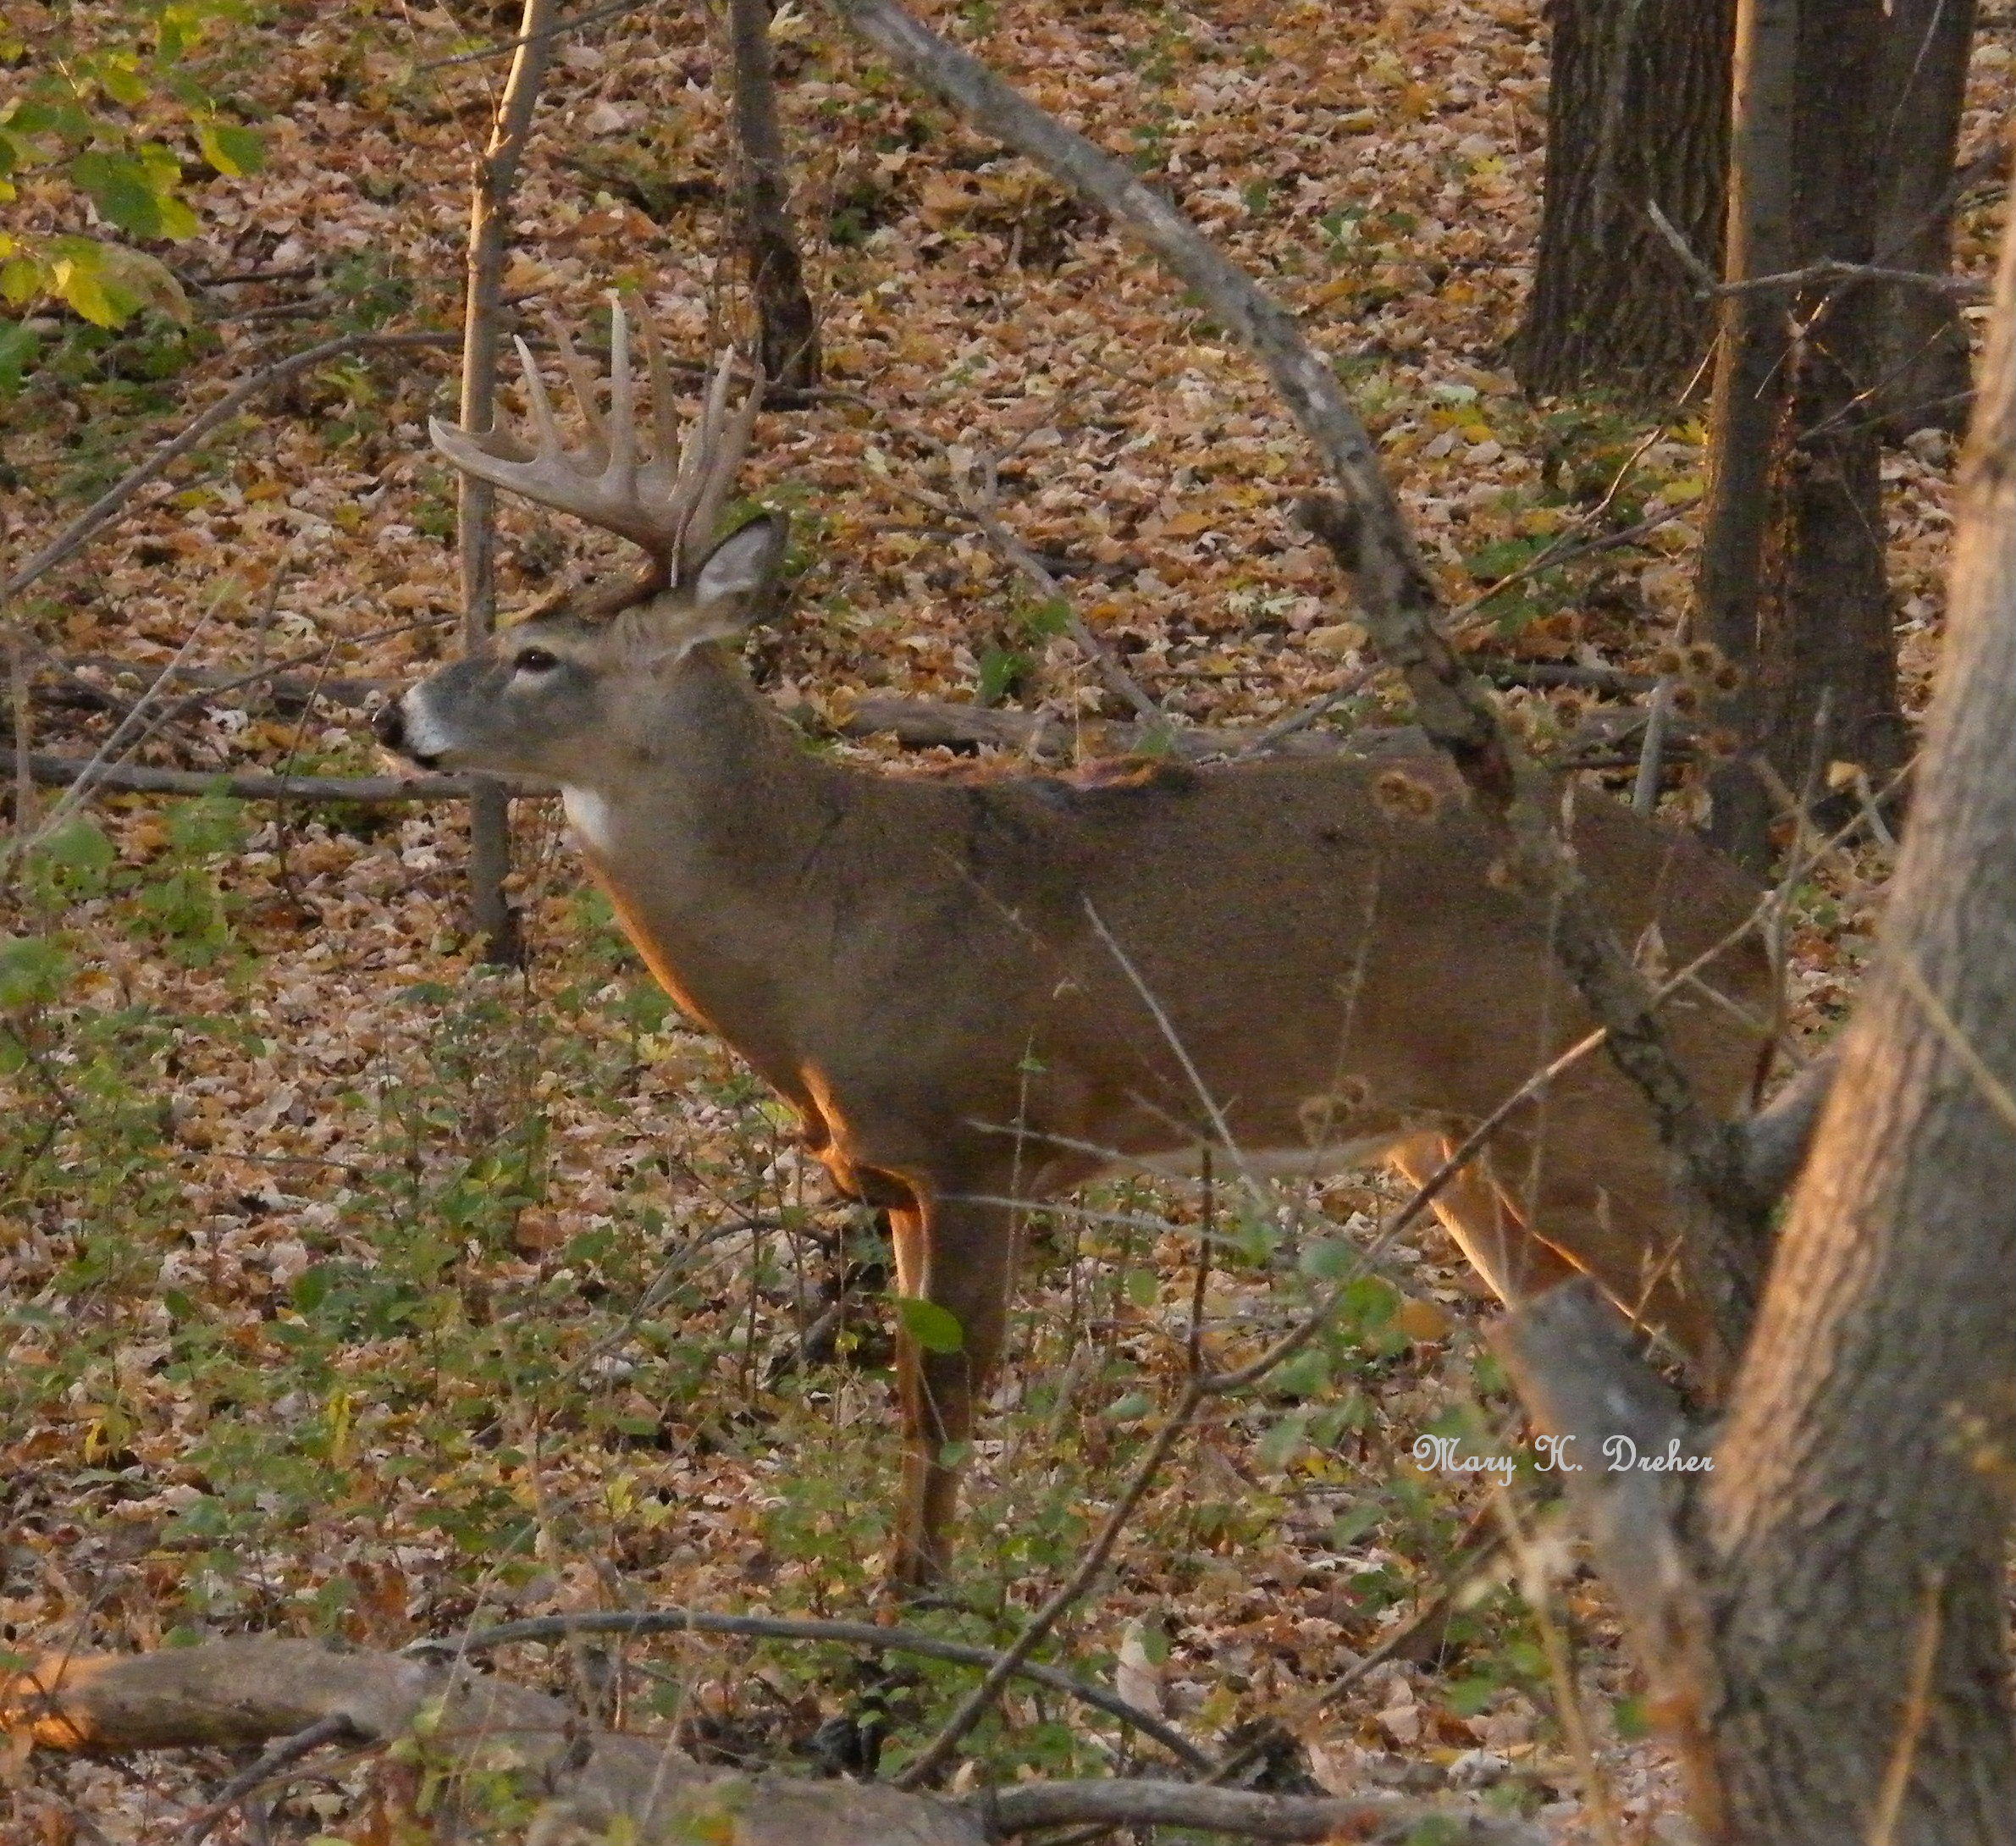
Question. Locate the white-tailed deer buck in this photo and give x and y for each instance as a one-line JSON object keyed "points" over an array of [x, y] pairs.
{"points": [[995, 990]]}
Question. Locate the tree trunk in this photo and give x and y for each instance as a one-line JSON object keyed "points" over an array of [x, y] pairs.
{"points": [[788, 330], [1820, 1601], [1859, 1513], [1638, 111], [476, 505], [1922, 352], [1792, 586]]}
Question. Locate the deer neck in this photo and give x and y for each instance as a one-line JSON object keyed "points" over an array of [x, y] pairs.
{"points": [[708, 797], [704, 827]]}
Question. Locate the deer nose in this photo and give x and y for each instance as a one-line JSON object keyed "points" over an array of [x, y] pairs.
{"points": [[390, 725]]}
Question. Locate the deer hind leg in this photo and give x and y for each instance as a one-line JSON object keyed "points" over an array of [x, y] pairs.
{"points": [[960, 1257], [1513, 1262]]}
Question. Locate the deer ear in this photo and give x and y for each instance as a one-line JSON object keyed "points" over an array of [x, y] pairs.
{"points": [[742, 570], [731, 591]]}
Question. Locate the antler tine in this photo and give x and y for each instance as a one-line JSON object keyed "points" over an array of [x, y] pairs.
{"points": [[582, 383], [663, 468], [667, 504], [542, 406], [622, 405], [725, 459], [696, 463]]}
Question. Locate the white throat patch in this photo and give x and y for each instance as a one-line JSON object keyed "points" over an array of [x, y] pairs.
{"points": [[590, 817]]}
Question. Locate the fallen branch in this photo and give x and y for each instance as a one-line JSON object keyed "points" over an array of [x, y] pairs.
{"points": [[1372, 1819], [136, 778], [335, 1728], [927, 723], [107, 506], [1581, 1374], [1551, 673], [245, 1693], [867, 1634]]}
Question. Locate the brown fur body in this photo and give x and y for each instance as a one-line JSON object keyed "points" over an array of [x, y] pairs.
{"points": [[974, 992]]}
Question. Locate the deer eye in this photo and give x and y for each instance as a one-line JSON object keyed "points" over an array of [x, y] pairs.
{"points": [[535, 660]]}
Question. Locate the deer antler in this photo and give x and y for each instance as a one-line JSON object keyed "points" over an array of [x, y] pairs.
{"points": [[668, 503]]}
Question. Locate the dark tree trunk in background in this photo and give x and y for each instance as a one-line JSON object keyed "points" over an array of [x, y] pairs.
{"points": [[789, 331], [1857, 1520], [1922, 352], [1822, 1611], [1792, 586], [1637, 110]]}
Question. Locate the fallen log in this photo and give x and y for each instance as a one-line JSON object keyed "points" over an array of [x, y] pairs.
{"points": [[592, 1783]]}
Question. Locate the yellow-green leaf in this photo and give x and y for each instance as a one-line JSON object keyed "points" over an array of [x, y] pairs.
{"points": [[235, 152], [82, 285]]}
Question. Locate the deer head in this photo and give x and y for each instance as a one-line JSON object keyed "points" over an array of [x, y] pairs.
{"points": [[585, 676]]}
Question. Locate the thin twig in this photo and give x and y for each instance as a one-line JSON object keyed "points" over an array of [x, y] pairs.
{"points": [[332, 1729], [1918, 1705], [1305, 715], [1658, 712], [976, 1704], [369, 790], [81, 784], [982, 511], [865, 1634], [17, 687], [559, 30], [1707, 286]]}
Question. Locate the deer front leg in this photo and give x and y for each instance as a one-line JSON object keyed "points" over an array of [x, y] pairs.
{"points": [[1515, 1264], [960, 1257]]}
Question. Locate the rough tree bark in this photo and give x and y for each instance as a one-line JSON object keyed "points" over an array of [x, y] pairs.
{"points": [[476, 506], [1791, 585], [1922, 352], [787, 329], [1637, 110], [1858, 1514], [1823, 1617]]}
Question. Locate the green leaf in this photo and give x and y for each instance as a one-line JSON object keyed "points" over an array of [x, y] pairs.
{"points": [[235, 152], [178, 220], [1305, 1375], [32, 970], [19, 342], [1370, 1301], [118, 185], [1143, 1289], [935, 1328], [1131, 1408], [119, 76], [1329, 1259], [28, 117], [1048, 618], [1355, 1522], [1468, 1696], [1002, 671], [1281, 1444]]}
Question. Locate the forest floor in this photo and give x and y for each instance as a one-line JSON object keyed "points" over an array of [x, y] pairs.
{"points": [[348, 1288]]}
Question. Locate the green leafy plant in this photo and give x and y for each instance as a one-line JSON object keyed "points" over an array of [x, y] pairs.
{"points": [[110, 109]]}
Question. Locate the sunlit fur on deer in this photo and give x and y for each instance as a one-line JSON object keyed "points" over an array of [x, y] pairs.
{"points": [[950, 981]]}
